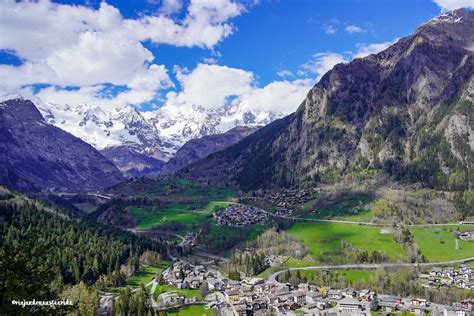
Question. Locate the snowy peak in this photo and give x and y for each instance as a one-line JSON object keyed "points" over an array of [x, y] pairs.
{"points": [[158, 134]]}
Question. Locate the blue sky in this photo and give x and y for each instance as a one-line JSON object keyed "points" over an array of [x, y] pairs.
{"points": [[257, 43]]}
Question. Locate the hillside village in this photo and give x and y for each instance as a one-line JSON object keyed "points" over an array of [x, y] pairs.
{"points": [[258, 296], [241, 215]]}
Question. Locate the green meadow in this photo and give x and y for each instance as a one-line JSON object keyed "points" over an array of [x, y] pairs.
{"points": [[187, 214], [189, 293], [325, 237], [438, 243], [193, 310]]}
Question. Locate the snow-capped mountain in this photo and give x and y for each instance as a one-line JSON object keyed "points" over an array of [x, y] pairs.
{"points": [[157, 134]]}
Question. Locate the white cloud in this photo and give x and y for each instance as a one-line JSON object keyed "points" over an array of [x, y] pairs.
{"points": [[354, 29], [214, 86], [210, 85], [329, 29], [322, 63], [65, 45], [284, 73], [278, 96], [171, 6], [448, 5], [364, 50]]}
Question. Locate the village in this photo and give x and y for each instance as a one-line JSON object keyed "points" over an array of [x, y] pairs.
{"points": [[449, 276], [258, 296], [241, 215]]}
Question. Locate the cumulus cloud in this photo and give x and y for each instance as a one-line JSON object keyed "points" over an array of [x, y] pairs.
{"points": [[448, 5], [354, 29], [322, 63], [284, 73], [210, 85], [329, 29], [214, 86], [278, 96], [171, 6], [66, 45]]}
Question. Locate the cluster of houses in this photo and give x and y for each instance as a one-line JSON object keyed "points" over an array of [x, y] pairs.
{"points": [[183, 275], [256, 296], [465, 235], [394, 304], [240, 215], [290, 197], [463, 277]]}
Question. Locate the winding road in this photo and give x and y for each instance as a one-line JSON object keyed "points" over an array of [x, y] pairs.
{"points": [[273, 277]]}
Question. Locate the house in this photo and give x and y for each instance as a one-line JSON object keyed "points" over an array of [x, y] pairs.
{"points": [[468, 304], [240, 309], [299, 297], [436, 272], [232, 295], [419, 302], [215, 285], [390, 304], [351, 306], [367, 295], [418, 309], [259, 304], [334, 295], [350, 292], [170, 299], [247, 296], [313, 297]]}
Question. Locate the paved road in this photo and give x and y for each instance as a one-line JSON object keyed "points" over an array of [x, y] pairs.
{"points": [[340, 221], [154, 304], [273, 277]]}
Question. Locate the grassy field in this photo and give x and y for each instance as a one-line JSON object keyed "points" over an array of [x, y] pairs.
{"points": [[322, 237], [438, 243], [163, 288], [144, 276], [187, 214], [193, 310]]}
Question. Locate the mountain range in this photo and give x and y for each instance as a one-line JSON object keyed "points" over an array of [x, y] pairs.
{"points": [[140, 142], [407, 112], [35, 155]]}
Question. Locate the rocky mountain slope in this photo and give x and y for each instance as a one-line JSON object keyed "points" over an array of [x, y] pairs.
{"points": [[35, 155], [131, 162], [407, 112], [199, 148]]}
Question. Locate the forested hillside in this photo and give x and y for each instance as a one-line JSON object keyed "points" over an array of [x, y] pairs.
{"points": [[44, 253]]}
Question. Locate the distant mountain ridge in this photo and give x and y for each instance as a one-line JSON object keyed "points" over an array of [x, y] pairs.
{"points": [[35, 155], [407, 112], [199, 148]]}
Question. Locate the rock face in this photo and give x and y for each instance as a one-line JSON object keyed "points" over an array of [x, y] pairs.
{"points": [[35, 155], [131, 162], [407, 112], [199, 148]]}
